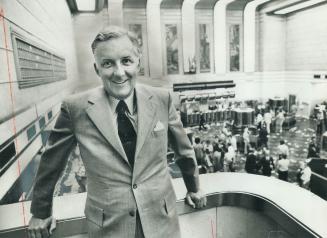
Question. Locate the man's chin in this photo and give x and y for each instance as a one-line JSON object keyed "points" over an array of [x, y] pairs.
{"points": [[119, 95]]}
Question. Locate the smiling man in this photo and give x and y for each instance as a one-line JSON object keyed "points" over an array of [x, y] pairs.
{"points": [[122, 131]]}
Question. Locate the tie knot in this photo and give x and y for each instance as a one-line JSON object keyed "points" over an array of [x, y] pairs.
{"points": [[121, 107]]}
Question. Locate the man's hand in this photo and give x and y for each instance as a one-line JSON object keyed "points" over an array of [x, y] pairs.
{"points": [[41, 228], [196, 200]]}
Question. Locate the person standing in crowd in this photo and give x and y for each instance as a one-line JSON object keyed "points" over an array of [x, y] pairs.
{"points": [[215, 143], [246, 140], [207, 161], [280, 118], [263, 136], [259, 120], [223, 151], [282, 167], [218, 161], [283, 148], [198, 149], [122, 130], [230, 157], [267, 119], [304, 175], [320, 123], [313, 149], [267, 164], [217, 155], [251, 162], [226, 130], [233, 142], [208, 146], [202, 121]]}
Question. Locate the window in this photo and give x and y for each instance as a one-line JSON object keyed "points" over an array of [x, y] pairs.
{"points": [[31, 132], [204, 48], [6, 154], [137, 30], [36, 66], [42, 122], [172, 48], [234, 48], [49, 115]]}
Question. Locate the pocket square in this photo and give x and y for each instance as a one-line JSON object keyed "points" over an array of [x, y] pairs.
{"points": [[159, 126]]}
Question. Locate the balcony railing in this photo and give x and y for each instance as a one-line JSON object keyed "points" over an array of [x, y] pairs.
{"points": [[239, 205]]}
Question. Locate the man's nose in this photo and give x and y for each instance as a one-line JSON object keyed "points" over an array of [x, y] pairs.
{"points": [[119, 70]]}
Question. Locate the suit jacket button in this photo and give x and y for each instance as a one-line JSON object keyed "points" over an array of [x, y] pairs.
{"points": [[132, 213], [134, 186]]}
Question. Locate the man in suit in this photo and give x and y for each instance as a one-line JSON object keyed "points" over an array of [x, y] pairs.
{"points": [[122, 131]]}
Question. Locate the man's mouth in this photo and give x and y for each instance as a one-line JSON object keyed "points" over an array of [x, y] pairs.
{"points": [[120, 82]]}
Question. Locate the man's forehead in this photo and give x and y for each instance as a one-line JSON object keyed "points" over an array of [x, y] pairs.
{"points": [[116, 47]]}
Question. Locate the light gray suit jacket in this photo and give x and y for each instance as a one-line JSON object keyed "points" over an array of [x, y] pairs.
{"points": [[115, 191]]}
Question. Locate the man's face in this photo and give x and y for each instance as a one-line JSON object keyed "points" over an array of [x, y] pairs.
{"points": [[117, 64]]}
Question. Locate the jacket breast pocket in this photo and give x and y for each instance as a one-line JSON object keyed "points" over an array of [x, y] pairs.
{"points": [[159, 133], [94, 214]]}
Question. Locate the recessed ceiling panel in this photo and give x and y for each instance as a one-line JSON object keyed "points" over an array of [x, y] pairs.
{"points": [[171, 4], [85, 5], [134, 3]]}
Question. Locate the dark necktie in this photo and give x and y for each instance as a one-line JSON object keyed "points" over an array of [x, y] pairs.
{"points": [[126, 131]]}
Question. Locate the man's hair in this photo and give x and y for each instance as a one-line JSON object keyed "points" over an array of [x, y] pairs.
{"points": [[282, 142], [115, 32], [197, 140]]}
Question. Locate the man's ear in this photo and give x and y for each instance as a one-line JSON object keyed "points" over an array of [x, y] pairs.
{"points": [[96, 69]]}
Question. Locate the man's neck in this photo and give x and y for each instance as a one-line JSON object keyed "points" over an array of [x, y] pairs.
{"points": [[130, 101]]}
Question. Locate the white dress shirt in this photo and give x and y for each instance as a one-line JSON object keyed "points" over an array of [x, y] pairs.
{"points": [[282, 165], [132, 108], [306, 174]]}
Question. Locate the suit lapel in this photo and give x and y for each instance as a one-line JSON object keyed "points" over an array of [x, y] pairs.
{"points": [[101, 115], [146, 117]]}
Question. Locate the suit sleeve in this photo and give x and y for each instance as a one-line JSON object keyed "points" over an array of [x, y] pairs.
{"points": [[53, 161], [184, 152]]}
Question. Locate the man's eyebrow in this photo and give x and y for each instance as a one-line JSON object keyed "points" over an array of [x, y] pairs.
{"points": [[106, 59]]}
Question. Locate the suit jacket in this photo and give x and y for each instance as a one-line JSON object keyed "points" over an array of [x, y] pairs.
{"points": [[115, 191]]}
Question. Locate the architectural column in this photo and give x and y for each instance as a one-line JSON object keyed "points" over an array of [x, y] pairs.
{"points": [[188, 32], [115, 11], [250, 35], [154, 38], [220, 36]]}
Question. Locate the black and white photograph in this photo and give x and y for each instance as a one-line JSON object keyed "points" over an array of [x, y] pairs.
{"points": [[163, 118]]}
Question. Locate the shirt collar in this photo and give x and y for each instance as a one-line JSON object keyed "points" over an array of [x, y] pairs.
{"points": [[130, 102]]}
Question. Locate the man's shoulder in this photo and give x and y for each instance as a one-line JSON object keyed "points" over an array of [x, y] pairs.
{"points": [[154, 91], [82, 98], [156, 94]]}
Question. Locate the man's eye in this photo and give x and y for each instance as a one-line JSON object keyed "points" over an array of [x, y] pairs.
{"points": [[106, 64], [127, 61]]}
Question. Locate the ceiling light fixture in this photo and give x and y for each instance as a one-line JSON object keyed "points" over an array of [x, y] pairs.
{"points": [[85, 5]]}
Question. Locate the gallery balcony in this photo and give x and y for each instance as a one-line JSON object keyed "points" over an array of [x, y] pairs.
{"points": [[239, 205]]}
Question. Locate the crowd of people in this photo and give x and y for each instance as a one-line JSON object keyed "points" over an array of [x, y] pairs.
{"points": [[220, 153]]}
